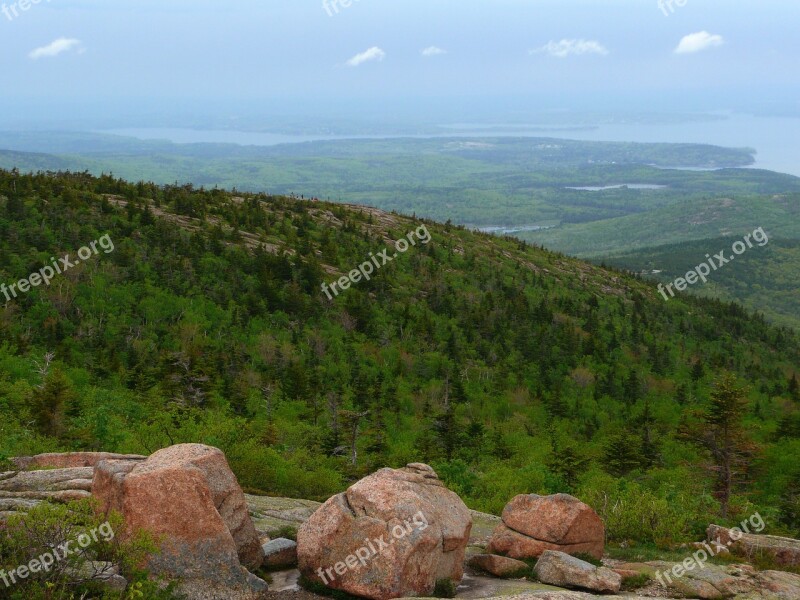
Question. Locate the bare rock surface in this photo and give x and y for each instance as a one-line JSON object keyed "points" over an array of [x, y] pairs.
{"points": [[784, 551], [563, 570], [68, 460], [47, 481], [715, 582], [188, 495], [532, 524], [273, 516], [405, 527]]}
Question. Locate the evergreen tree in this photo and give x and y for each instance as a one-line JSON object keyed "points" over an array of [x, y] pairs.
{"points": [[722, 434], [622, 453], [51, 402], [568, 463]]}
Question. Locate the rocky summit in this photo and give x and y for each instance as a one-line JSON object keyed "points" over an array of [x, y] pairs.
{"points": [[395, 533]]}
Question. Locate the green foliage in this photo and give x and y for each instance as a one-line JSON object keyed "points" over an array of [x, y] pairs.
{"points": [[445, 588], [90, 540], [315, 587], [720, 430], [511, 368], [635, 582], [663, 515], [288, 532]]}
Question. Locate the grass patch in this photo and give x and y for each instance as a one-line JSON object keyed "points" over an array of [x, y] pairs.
{"points": [[315, 587], [287, 531], [645, 553], [588, 558], [635, 582]]}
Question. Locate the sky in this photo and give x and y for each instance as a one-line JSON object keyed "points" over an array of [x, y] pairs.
{"points": [[62, 58]]}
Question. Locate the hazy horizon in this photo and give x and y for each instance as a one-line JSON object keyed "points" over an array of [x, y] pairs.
{"points": [[72, 62]]}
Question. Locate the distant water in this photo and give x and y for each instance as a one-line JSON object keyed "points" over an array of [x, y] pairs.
{"points": [[630, 186], [511, 230], [777, 140]]}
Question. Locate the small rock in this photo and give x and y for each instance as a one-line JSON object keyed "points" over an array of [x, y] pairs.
{"points": [[280, 553], [563, 570], [499, 566], [626, 573]]}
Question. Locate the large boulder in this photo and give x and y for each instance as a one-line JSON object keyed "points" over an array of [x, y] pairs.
{"points": [[395, 533], [188, 498], [563, 570], [532, 524]]}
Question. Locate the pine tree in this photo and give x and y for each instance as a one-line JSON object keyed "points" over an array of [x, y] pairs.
{"points": [[722, 434], [567, 463], [622, 453], [51, 403], [794, 388], [789, 514], [447, 427], [698, 371]]}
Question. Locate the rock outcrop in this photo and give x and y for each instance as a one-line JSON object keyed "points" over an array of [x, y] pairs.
{"points": [[784, 551], [69, 460], [20, 491], [563, 570], [532, 524], [187, 496], [395, 533]]}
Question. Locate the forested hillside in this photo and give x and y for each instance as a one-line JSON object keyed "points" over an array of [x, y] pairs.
{"points": [[507, 367], [765, 282]]}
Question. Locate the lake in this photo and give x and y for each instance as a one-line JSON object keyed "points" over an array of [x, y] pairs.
{"points": [[630, 186]]}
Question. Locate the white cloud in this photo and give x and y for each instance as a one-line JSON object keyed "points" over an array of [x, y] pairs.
{"points": [[697, 42], [566, 48], [373, 53], [433, 51], [55, 48]]}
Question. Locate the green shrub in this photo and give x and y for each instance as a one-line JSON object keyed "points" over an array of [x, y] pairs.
{"points": [[445, 588], [287, 531], [91, 541], [660, 513]]}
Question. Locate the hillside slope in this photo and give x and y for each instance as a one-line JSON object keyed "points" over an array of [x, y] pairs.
{"points": [[766, 280], [509, 368], [691, 220]]}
